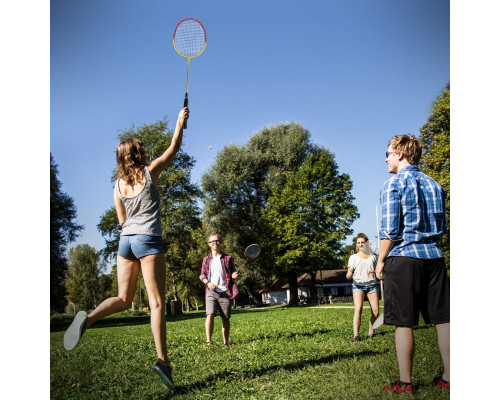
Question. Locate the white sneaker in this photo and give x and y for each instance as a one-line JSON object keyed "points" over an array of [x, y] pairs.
{"points": [[75, 330]]}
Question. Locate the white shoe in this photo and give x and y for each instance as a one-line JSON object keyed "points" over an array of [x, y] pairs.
{"points": [[75, 330]]}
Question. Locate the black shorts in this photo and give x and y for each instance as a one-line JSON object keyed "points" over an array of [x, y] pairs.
{"points": [[413, 285]]}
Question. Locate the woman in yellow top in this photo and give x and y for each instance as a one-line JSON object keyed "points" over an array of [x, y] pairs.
{"points": [[361, 268]]}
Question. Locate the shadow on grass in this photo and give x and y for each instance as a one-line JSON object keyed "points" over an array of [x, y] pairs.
{"points": [[112, 321], [288, 335], [233, 375]]}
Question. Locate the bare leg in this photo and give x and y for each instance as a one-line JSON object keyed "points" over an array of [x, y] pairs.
{"points": [[209, 327], [126, 274], [225, 330], [358, 309], [154, 273], [373, 300], [443, 332], [405, 349]]}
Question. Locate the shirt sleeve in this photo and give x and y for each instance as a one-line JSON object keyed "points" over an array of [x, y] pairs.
{"points": [[390, 199], [204, 269], [350, 264], [232, 269]]}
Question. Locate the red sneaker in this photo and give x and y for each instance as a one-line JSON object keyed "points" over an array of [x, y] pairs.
{"points": [[441, 383], [399, 387]]}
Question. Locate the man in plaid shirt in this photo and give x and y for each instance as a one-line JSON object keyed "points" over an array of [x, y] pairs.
{"points": [[410, 261], [218, 274]]}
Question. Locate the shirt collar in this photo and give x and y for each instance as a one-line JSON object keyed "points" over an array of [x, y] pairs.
{"points": [[408, 168]]}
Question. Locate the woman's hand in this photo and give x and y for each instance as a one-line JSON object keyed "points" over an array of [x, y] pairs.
{"points": [[183, 116], [349, 273]]}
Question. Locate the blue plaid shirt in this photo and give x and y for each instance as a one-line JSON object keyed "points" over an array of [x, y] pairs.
{"points": [[413, 214]]}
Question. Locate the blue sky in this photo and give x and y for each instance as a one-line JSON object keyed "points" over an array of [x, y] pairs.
{"points": [[353, 73]]}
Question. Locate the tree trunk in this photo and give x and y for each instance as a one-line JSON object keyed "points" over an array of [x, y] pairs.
{"points": [[294, 289], [314, 289], [252, 296]]}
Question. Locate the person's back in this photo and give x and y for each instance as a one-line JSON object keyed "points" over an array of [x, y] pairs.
{"points": [[142, 207], [423, 217]]}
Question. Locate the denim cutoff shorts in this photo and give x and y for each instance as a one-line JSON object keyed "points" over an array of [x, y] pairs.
{"points": [[134, 247], [366, 289]]}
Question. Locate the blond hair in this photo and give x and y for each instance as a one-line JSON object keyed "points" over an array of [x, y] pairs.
{"points": [[409, 146]]}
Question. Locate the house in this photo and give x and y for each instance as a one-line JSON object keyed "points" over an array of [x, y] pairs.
{"points": [[275, 294], [329, 283]]}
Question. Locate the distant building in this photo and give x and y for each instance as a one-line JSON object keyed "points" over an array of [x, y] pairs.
{"points": [[330, 283]]}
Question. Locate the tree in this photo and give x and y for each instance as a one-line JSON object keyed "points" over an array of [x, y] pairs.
{"points": [[82, 283], [180, 213], [435, 162], [310, 217], [110, 230], [280, 171], [63, 230], [237, 187]]}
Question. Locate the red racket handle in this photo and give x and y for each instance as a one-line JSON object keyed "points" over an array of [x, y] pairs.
{"points": [[243, 264]]}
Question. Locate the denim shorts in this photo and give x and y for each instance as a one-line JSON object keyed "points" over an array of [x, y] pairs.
{"points": [[134, 247], [366, 289]]}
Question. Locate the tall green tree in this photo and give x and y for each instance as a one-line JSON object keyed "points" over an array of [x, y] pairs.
{"points": [[63, 230], [310, 217], [180, 213], [435, 162], [83, 283], [236, 189]]}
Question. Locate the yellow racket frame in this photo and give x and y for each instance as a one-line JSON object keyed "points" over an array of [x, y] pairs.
{"points": [[189, 57]]}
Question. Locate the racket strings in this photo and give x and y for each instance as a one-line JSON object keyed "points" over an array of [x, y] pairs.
{"points": [[189, 38]]}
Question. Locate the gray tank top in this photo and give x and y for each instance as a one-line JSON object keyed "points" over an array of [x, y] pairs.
{"points": [[143, 210]]}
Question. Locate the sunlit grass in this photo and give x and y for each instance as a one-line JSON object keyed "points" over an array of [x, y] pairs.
{"points": [[278, 353]]}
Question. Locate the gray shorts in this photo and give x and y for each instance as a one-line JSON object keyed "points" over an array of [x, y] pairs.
{"points": [[218, 301]]}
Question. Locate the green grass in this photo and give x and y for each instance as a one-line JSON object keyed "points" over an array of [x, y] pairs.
{"points": [[278, 353]]}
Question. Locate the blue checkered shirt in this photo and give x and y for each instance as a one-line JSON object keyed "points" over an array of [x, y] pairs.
{"points": [[413, 214]]}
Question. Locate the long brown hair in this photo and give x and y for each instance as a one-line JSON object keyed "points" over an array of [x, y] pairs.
{"points": [[131, 159]]}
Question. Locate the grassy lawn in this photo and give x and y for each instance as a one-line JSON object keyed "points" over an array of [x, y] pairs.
{"points": [[278, 353]]}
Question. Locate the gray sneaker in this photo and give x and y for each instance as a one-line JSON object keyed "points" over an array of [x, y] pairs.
{"points": [[75, 330], [165, 374]]}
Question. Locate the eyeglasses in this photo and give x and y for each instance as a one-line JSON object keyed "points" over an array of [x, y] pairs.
{"points": [[388, 153], [214, 242]]}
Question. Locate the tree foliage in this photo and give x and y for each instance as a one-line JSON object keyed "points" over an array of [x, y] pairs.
{"points": [[83, 283], [278, 170], [311, 215], [63, 230], [435, 162], [236, 190]]}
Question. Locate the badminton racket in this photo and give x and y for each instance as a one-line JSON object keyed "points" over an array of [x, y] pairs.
{"points": [[190, 40], [251, 252]]}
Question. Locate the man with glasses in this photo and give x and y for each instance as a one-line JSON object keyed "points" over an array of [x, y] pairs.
{"points": [[410, 261], [218, 274]]}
